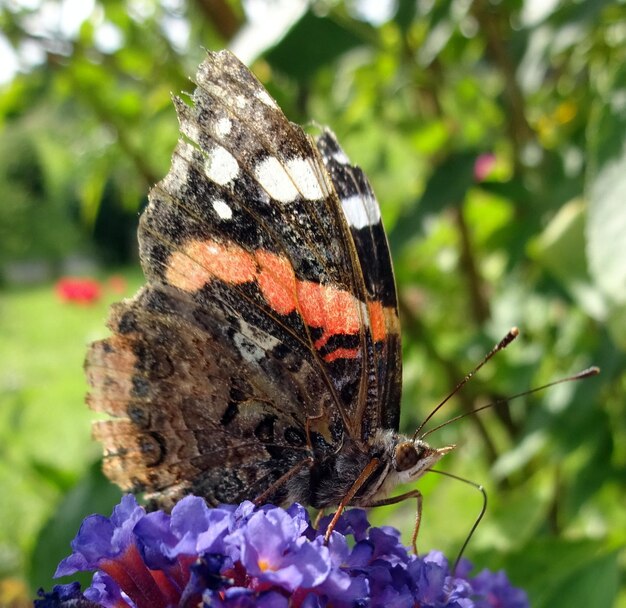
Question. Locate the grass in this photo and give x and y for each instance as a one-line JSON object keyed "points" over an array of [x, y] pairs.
{"points": [[45, 441]]}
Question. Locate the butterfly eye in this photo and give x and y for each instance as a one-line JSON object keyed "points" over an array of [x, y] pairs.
{"points": [[406, 456]]}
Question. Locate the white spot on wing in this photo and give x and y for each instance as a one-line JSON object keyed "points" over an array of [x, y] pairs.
{"points": [[340, 157], [223, 127], [221, 166], [191, 131], [285, 182], [247, 341], [275, 180], [222, 209], [265, 97], [307, 182], [248, 350], [361, 211]]}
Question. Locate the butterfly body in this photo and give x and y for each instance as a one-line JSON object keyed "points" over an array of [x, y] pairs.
{"points": [[326, 482], [262, 358]]}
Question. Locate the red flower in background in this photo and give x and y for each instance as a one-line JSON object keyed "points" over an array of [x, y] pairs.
{"points": [[79, 290]]}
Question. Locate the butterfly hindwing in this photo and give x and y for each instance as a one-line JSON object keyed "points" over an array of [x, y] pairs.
{"points": [[196, 427]]}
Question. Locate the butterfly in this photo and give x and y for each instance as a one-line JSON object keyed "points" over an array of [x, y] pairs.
{"points": [[262, 359]]}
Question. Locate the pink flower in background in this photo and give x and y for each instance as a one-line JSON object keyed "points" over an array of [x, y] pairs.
{"points": [[483, 166], [78, 290]]}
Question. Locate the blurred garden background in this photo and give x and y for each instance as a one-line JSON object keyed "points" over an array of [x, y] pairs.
{"points": [[494, 135]]}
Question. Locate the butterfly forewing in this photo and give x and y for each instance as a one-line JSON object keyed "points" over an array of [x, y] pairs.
{"points": [[362, 213]]}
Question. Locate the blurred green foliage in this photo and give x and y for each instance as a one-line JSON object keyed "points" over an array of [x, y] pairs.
{"points": [[535, 91]]}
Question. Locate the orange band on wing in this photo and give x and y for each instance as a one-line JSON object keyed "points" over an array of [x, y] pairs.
{"points": [[226, 262], [277, 282], [185, 273], [310, 303], [203, 261], [334, 310], [377, 321]]}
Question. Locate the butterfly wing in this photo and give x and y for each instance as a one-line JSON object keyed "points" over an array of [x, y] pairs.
{"points": [[362, 213], [257, 341], [204, 404]]}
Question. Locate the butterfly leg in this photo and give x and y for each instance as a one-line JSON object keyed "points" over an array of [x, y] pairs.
{"points": [[261, 498], [418, 514], [308, 461], [307, 428], [365, 473], [318, 518]]}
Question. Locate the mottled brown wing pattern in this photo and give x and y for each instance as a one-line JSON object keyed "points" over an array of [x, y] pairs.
{"points": [[258, 340], [205, 406]]}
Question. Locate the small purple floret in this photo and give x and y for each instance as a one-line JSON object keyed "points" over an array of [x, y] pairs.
{"points": [[63, 596], [273, 550], [497, 591], [101, 538], [104, 591]]}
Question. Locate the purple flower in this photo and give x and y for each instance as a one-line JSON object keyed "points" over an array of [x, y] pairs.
{"points": [[353, 522], [496, 590], [104, 591], [240, 557], [273, 550], [101, 538], [63, 595]]}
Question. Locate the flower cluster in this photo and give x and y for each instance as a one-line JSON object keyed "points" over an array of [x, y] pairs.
{"points": [[244, 556]]}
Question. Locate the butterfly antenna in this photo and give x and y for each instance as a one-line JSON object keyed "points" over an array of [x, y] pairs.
{"points": [[510, 336], [586, 373]]}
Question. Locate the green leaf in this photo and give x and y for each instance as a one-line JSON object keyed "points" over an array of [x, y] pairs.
{"points": [[312, 43], [562, 574], [446, 188], [558, 249], [594, 582], [606, 225]]}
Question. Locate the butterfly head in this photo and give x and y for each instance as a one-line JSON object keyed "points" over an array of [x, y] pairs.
{"points": [[406, 460], [412, 458]]}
